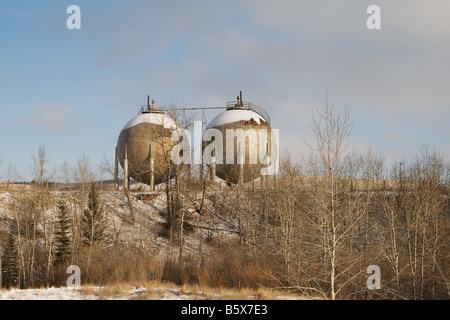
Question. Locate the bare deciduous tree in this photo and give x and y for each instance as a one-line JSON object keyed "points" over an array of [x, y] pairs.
{"points": [[333, 209]]}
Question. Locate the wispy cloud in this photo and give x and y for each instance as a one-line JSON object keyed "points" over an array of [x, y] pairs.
{"points": [[284, 55], [52, 116]]}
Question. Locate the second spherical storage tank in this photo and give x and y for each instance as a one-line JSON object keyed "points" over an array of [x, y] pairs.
{"points": [[146, 136], [246, 142]]}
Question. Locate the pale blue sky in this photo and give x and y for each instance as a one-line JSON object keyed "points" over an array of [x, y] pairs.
{"points": [[75, 89]]}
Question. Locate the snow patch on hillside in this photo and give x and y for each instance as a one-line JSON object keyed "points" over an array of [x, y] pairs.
{"points": [[63, 293], [136, 293]]}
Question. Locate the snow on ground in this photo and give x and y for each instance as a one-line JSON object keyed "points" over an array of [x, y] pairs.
{"points": [[145, 233], [63, 293], [86, 293], [136, 293], [92, 293]]}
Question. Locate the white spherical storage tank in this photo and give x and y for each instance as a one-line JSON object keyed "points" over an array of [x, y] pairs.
{"points": [[240, 141], [147, 136]]}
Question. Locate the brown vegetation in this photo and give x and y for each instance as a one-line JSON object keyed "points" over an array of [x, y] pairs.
{"points": [[314, 230]]}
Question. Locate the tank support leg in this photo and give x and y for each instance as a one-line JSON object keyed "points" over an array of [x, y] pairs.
{"points": [[201, 172], [116, 172], [152, 168], [152, 174], [125, 169], [241, 175], [241, 165], [212, 176]]}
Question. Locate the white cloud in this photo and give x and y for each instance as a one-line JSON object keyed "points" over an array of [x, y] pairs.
{"points": [[51, 116], [286, 54]]}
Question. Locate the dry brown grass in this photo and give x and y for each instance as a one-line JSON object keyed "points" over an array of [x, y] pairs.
{"points": [[154, 290], [88, 290]]}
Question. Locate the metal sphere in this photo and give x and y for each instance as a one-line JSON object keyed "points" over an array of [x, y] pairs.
{"points": [[242, 121], [146, 136]]}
